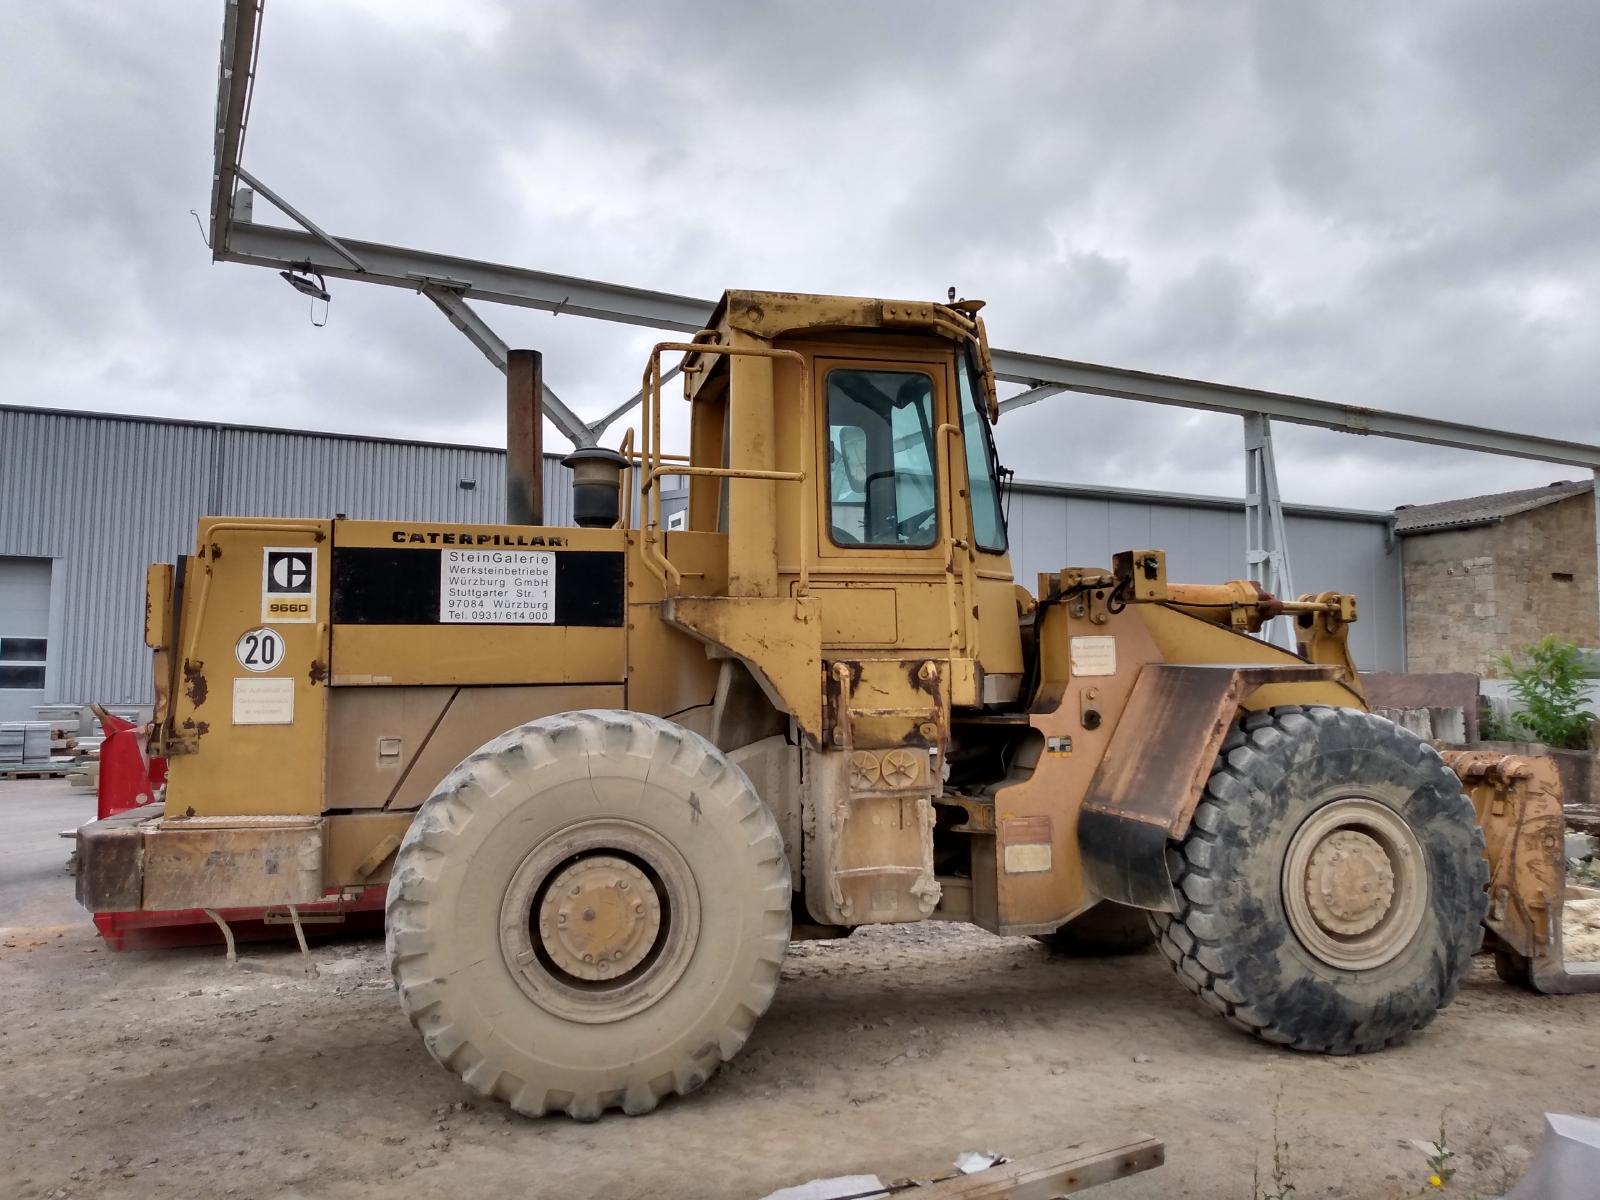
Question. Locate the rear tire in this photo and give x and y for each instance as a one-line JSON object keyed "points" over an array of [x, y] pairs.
{"points": [[589, 912], [1106, 930], [1332, 885]]}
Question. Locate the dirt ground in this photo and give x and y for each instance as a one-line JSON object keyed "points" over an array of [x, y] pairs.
{"points": [[164, 1073]]}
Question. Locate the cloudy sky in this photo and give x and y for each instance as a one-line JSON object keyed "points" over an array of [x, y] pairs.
{"points": [[1372, 203]]}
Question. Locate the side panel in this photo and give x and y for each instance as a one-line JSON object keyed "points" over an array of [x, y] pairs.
{"points": [[1036, 862], [249, 716], [420, 604], [389, 746], [478, 715], [374, 735], [669, 671]]}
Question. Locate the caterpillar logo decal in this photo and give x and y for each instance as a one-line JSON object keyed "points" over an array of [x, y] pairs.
{"points": [[288, 585]]}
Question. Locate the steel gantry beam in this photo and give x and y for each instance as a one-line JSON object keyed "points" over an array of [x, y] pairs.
{"points": [[1038, 369], [472, 279]]}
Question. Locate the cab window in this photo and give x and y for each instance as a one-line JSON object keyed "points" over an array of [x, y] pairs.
{"points": [[881, 458], [988, 520]]}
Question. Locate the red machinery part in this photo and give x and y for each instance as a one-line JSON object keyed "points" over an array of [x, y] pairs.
{"points": [[191, 927], [127, 779]]}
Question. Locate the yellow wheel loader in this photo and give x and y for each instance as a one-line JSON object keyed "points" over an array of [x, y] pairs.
{"points": [[606, 773]]}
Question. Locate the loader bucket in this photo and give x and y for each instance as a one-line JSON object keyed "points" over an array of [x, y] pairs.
{"points": [[1518, 804]]}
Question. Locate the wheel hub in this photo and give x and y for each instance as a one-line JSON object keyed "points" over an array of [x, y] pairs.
{"points": [[1355, 883], [1349, 882], [600, 918]]}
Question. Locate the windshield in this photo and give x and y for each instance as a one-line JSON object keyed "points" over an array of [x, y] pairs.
{"points": [[988, 522]]}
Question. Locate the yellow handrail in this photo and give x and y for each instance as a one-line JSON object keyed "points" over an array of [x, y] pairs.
{"points": [[651, 458]]}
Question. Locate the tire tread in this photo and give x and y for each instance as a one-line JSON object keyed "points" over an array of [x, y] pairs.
{"points": [[1245, 768]]}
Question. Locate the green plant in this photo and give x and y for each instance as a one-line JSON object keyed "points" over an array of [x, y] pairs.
{"points": [[1495, 728], [1551, 688], [1440, 1156]]}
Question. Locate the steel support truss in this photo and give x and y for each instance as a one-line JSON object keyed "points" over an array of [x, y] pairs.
{"points": [[1266, 552]]}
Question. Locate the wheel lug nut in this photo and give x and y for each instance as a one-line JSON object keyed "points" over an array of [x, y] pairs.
{"points": [[588, 958], [577, 890], [622, 885]]}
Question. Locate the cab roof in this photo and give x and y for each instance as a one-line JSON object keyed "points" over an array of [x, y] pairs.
{"points": [[772, 315]]}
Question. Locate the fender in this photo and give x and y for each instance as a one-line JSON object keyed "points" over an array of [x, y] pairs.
{"points": [[1155, 769]]}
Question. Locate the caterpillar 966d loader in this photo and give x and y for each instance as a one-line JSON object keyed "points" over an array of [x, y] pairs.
{"points": [[606, 773]]}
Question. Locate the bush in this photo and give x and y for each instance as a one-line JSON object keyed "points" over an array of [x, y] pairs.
{"points": [[1551, 689]]}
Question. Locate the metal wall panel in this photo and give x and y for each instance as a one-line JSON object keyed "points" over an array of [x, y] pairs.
{"points": [[102, 496]]}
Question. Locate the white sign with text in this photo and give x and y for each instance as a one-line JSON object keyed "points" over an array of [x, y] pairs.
{"points": [[497, 587]]}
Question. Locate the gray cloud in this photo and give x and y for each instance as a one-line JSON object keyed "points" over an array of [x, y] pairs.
{"points": [[1369, 203]]}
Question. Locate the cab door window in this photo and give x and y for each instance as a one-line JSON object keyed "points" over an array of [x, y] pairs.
{"points": [[881, 446]]}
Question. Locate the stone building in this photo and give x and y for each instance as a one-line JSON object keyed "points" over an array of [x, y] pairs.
{"points": [[1488, 575]]}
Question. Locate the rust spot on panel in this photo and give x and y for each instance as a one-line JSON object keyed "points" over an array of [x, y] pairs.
{"points": [[319, 536], [319, 671], [201, 728], [194, 683], [216, 552]]}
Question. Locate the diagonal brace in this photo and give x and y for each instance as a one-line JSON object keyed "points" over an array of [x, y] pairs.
{"points": [[477, 331]]}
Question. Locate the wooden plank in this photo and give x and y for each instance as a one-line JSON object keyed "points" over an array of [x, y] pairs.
{"points": [[1055, 1173]]}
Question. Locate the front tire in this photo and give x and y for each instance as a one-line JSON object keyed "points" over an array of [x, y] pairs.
{"points": [[589, 912], [1331, 887]]}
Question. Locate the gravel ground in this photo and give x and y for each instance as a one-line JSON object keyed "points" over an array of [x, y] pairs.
{"points": [[165, 1074]]}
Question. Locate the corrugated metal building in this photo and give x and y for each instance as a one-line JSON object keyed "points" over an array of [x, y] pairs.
{"points": [[87, 500]]}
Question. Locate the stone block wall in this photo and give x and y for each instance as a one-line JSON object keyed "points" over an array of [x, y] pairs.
{"points": [[1474, 594]]}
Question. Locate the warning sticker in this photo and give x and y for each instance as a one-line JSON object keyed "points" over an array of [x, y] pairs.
{"points": [[497, 587], [263, 701], [1093, 655]]}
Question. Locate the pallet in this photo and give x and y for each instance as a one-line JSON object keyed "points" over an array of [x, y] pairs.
{"points": [[38, 771]]}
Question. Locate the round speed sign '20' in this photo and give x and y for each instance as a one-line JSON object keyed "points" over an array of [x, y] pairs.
{"points": [[259, 649]]}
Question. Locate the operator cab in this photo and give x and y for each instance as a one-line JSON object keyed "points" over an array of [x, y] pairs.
{"points": [[843, 448]]}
